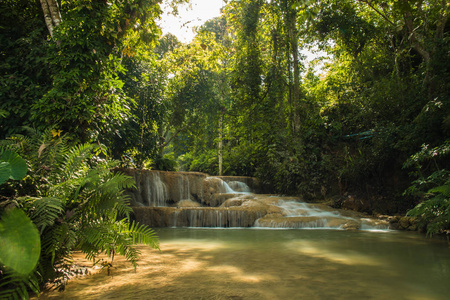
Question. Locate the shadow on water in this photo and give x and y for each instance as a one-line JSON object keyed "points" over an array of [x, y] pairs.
{"points": [[276, 264]]}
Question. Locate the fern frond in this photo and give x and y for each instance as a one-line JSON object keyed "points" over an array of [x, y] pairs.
{"points": [[105, 235], [43, 211], [14, 286], [104, 192], [50, 151], [143, 234], [74, 164]]}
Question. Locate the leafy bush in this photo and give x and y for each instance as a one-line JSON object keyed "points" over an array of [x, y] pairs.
{"points": [[163, 163], [206, 162], [433, 213], [79, 204]]}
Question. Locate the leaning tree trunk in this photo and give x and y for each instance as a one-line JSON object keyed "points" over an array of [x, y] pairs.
{"points": [[52, 15]]}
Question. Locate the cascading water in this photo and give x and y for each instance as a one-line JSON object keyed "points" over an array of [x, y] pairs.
{"points": [[239, 187], [157, 192], [218, 185], [183, 185], [302, 209], [227, 188], [304, 215], [170, 199]]}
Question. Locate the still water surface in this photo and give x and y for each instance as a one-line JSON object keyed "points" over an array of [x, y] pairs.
{"points": [[329, 264], [276, 264]]}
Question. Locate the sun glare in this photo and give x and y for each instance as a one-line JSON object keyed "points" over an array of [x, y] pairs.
{"points": [[189, 17]]}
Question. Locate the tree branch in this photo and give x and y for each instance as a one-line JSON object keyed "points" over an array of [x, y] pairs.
{"points": [[378, 11], [415, 38], [167, 142]]}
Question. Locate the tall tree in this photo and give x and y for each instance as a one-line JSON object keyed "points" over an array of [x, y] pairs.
{"points": [[86, 50]]}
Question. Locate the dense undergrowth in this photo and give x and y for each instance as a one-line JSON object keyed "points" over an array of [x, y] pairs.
{"points": [[65, 198]]}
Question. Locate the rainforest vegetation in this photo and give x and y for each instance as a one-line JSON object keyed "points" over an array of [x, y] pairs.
{"points": [[90, 85]]}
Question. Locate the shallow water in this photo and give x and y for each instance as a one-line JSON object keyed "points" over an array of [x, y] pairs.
{"points": [[277, 264], [351, 265]]}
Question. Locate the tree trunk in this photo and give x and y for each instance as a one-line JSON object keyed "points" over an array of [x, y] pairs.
{"points": [[293, 66], [220, 144], [47, 16], [295, 62], [52, 15]]}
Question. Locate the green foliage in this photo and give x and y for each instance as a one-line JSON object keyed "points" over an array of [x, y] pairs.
{"points": [[20, 241], [164, 163], [18, 287], [79, 204], [205, 162], [340, 21], [24, 72], [12, 166], [433, 212], [70, 81], [138, 136]]}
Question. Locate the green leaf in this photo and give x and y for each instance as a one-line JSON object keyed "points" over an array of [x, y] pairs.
{"points": [[5, 171], [18, 166], [21, 244]]}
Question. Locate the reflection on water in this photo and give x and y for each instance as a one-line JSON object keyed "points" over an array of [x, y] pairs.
{"points": [[278, 264]]}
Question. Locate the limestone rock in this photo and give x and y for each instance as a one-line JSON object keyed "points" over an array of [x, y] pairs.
{"points": [[351, 225], [374, 223], [187, 203], [233, 202]]}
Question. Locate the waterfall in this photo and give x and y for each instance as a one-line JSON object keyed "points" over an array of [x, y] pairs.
{"points": [[157, 193], [184, 189], [197, 217], [217, 185], [182, 199], [302, 209], [227, 188], [238, 186], [304, 215]]}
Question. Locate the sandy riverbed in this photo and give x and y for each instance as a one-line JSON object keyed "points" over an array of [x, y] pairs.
{"points": [[273, 264], [177, 272]]}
